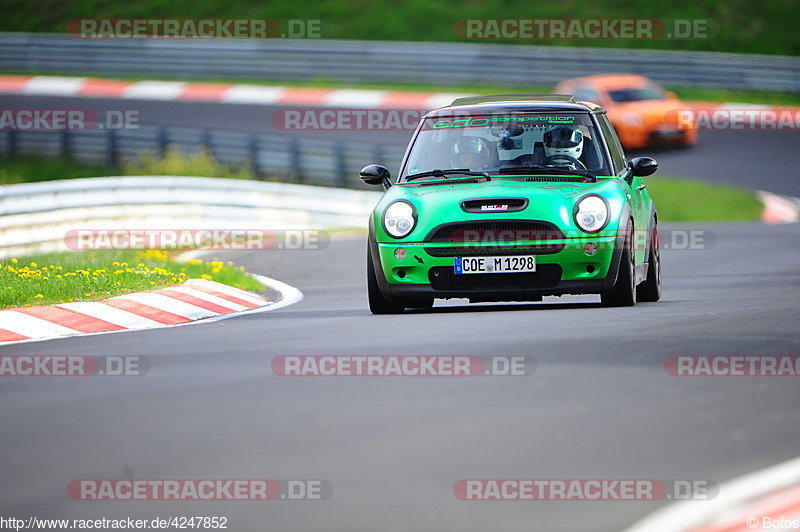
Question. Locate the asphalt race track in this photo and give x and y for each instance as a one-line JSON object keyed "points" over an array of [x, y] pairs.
{"points": [[600, 404], [766, 160]]}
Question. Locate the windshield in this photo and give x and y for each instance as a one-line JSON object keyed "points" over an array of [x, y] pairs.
{"points": [[636, 94], [494, 143]]}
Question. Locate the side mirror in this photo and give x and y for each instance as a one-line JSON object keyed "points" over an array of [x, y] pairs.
{"points": [[376, 174], [642, 166]]}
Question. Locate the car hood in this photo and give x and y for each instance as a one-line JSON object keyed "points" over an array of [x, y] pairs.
{"points": [[552, 202]]}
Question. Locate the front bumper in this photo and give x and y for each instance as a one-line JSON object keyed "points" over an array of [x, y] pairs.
{"points": [[562, 267], [644, 137]]}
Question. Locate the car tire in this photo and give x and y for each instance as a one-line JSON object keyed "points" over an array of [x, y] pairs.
{"points": [[377, 303], [624, 292], [650, 289]]}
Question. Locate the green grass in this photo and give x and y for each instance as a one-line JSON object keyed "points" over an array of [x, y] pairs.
{"points": [[683, 200], [722, 95], [744, 25], [201, 164], [92, 276], [31, 169]]}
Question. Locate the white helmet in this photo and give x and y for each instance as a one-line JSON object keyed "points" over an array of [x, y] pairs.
{"points": [[563, 140]]}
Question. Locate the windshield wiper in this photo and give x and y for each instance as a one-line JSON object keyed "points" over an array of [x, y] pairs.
{"points": [[540, 169], [448, 172]]}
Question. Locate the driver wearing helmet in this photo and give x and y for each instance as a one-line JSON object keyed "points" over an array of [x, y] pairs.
{"points": [[563, 146], [472, 153]]}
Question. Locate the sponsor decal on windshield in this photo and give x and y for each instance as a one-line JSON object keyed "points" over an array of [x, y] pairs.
{"points": [[494, 120]]}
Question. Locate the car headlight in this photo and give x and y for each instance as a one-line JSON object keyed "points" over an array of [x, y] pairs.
{"points": [[591, 214], [399, 219]]}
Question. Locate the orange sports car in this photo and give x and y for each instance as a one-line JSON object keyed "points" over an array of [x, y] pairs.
{"points": [[641, 111]]}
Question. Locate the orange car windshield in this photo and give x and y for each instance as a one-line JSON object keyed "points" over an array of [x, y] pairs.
{"points": [[636, 94]]}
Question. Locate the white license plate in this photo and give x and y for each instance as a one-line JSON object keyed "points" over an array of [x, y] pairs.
{"points": [[511, 264]]}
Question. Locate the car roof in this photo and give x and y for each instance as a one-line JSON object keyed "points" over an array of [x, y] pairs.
{"points": [[515, 103]]}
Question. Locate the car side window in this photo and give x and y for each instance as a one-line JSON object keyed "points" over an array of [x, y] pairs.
{"points": [[614, 146]]}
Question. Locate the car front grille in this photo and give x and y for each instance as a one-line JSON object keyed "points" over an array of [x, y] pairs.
{"points": [[466, 251], [494, 231]]}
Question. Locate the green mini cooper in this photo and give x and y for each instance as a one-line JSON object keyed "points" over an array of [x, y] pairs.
{"points": [[511, 198]]}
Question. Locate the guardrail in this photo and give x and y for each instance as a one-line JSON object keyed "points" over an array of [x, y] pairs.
{"points": [[298, 160], [36, 217], [386, 61]]}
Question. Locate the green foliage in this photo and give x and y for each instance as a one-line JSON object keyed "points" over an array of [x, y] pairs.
{"points": [[175, 162], [201, 164], [682, 200], [744, 25], [95, 275]]}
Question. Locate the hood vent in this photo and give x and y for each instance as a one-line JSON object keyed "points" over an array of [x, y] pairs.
{"points": [[449, 182], [559, 179], [490, 205]]}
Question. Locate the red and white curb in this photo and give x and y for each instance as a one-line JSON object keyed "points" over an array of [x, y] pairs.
{"points": [[764, 500], [259, 94], [223, 93], [196, 299], [779, 209]]}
